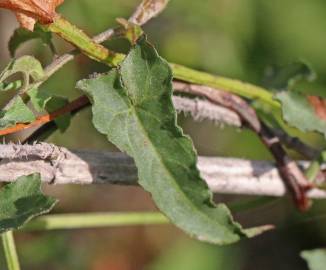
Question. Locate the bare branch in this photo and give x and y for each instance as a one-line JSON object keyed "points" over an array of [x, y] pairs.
{"points": [[290, 172], [294, 143], [202, 109], [58, 165]]}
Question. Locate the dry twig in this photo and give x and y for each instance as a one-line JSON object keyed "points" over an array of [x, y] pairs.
{"points": [[58, 165], [290, 172]]}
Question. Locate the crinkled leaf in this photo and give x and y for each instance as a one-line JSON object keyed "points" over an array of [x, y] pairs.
{"points": [[307, 113], [22, 35], [282, 78], [132, 106], [18, 112], [316, 259], [42, 101], [22, 200], [28, 66]]}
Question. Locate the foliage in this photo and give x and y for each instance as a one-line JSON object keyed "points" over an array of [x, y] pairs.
{"points": [[22, 35], [316, 259], [17, 112], [21, 201], [132, 106]]}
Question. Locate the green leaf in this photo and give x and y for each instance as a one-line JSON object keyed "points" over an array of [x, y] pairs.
{"points": [[22, 35], [18, 112], [301, 112], [42, 101], [281, 78], [22, 200], [10, 86], [27, 65], [316, 259], [39, 99], [132, 106], [55, 103]]}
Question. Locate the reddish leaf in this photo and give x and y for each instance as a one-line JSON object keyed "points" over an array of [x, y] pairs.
{"points": [[30, 11], [319, 105], [307, 113]]}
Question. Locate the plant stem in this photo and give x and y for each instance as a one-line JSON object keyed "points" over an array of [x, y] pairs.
{"points": [[76, 104], [315, 166], [312, 171], [225, 84], [77, 37], [98, 52], [95, 220], [9, 247]]}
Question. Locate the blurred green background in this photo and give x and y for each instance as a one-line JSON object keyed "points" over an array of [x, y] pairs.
{"points": [[234, 38]]}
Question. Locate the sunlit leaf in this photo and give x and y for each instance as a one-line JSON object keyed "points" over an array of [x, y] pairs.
{"points": [[316, 259], [28, 66], [132, 106]]}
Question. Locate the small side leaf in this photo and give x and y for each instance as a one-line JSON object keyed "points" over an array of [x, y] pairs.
{"points": [[39, 99], [42, 101], [17, 113], [22, 35], [10, 86], [22, 200], [316, 259], [307, 113], [28, 65], [55, 103], [282, 78], [132, 105]]}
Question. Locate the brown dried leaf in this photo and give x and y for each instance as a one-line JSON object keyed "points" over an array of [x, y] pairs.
{"points": [[319, 106], [147, 10], [30, 11]]}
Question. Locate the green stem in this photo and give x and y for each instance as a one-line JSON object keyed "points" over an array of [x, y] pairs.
{"points": [[234, 86], [96, 51], [77, 37], [314, 168], [10, 250], [94, 220]]}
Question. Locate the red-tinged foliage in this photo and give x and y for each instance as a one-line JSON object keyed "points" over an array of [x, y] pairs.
{"points": [[28, 12], [319, 105]]}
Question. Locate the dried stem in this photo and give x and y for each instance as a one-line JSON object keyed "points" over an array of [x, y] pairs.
{"points": [[197, 108], [58, 165], [292, 175]]}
